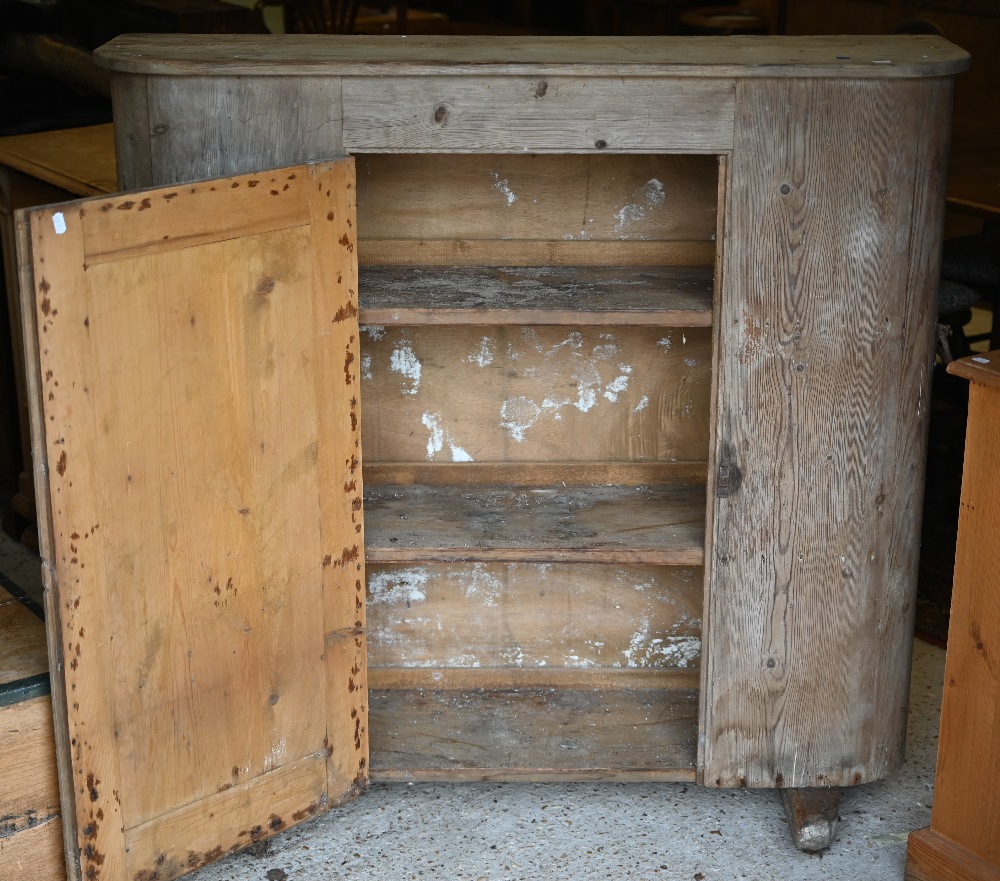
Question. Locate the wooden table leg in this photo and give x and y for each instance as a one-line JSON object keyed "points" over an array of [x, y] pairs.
{"points": [[812, 816]]}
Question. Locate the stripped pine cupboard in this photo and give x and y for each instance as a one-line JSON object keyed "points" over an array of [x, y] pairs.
{"points": [[637, 368]]}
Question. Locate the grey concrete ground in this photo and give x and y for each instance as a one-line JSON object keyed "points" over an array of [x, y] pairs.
{"points": [[571, 832]]}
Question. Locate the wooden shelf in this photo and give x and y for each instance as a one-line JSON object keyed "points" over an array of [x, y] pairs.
{"points": [[539, 734], [662, 525], [663, 296]]}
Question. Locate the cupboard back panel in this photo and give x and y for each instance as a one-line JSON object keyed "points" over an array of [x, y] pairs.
{"points": [[583, 394], [534, 615], [530, 199]]}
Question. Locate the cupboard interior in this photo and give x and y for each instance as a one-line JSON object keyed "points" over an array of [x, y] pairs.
{"points": [[536, 374]]}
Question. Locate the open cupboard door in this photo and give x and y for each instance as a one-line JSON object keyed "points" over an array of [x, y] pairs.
{"points": [[193, 353]]}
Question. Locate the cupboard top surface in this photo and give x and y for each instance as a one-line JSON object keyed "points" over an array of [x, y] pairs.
{"points": [[323, 54]]}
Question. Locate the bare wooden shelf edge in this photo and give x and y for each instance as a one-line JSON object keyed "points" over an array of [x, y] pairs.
{"points": [[667, 296], [309, 54], [613, 524], [533, 734], [512, 678]]}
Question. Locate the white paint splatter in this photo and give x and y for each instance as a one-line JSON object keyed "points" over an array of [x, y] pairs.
{"points": [[517, 415], [618, 385], [484, 356], [405, 362], [671, 651], [692, 362], [375, 331], [398, 586], [666, 342], [366, 366], [605, 352], [432, 422], [502, 186], [651, 195], [484, 586], [642, 405], [439, 437]]}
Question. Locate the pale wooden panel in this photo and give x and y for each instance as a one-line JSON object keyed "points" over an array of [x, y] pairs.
{"points": [[826, 345], [933, 857], [534, 615], [537, 197], [78, 160], [171, 130], [187, 838], [534, 734], [490, 394], [579, 295], [192, 539], [530, 252], [510, 114], [877, 57], [22, 641], [35, 853], [163, 224], [30, 792], [966, 805], [601, 524]]}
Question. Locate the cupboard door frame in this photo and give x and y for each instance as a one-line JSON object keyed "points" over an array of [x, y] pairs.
{"points": [[192, 358]]}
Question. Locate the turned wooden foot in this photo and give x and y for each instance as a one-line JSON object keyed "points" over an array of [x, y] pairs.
{"points": [[812, 816]]}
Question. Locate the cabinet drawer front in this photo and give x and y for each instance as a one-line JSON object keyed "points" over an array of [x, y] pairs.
{"points": [[557, 114]]}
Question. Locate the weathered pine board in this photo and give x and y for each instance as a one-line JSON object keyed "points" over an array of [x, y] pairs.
{"points": [[825, 354], [515, 113], [577, 295], [190, 674], [186, 147], [934, 857], [22, 642], [652, 525], [573, 394], [534, 615], [537, 734], [30, 793], [34, 853], [519, 678], [876, 57], [564, 198]]}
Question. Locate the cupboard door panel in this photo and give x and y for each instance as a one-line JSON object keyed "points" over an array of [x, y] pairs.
{"points": [[194, 356], [829, 280]]}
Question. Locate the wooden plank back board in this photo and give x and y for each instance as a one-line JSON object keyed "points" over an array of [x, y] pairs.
{"points": [[193, 363]]}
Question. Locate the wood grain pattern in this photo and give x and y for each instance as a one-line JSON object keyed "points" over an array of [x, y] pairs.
{"points": [[542, 616], [203, 645], [401, 114], [78, 160], [933, 857], [529, 252], [189, 129], [578, 295], [966, 807], [876, 57], [654, 525], [30, 792], [823, 395], [22, 642], [534, 734], [565, 198], [569, 394], [35, 853], [517, 678]]}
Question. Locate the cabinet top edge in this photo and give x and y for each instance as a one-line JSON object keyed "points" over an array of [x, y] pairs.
{"points": [[334, 55], [982, 369]]}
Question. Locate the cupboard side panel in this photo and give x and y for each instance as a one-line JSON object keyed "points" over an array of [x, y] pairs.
{"points": [[181, 128], [830, 261]]}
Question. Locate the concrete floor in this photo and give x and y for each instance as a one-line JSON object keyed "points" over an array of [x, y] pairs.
{"points": [[571, 832]]}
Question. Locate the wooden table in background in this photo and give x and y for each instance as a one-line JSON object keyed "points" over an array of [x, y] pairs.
{"points": [[963, 841], [37, 169]]}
